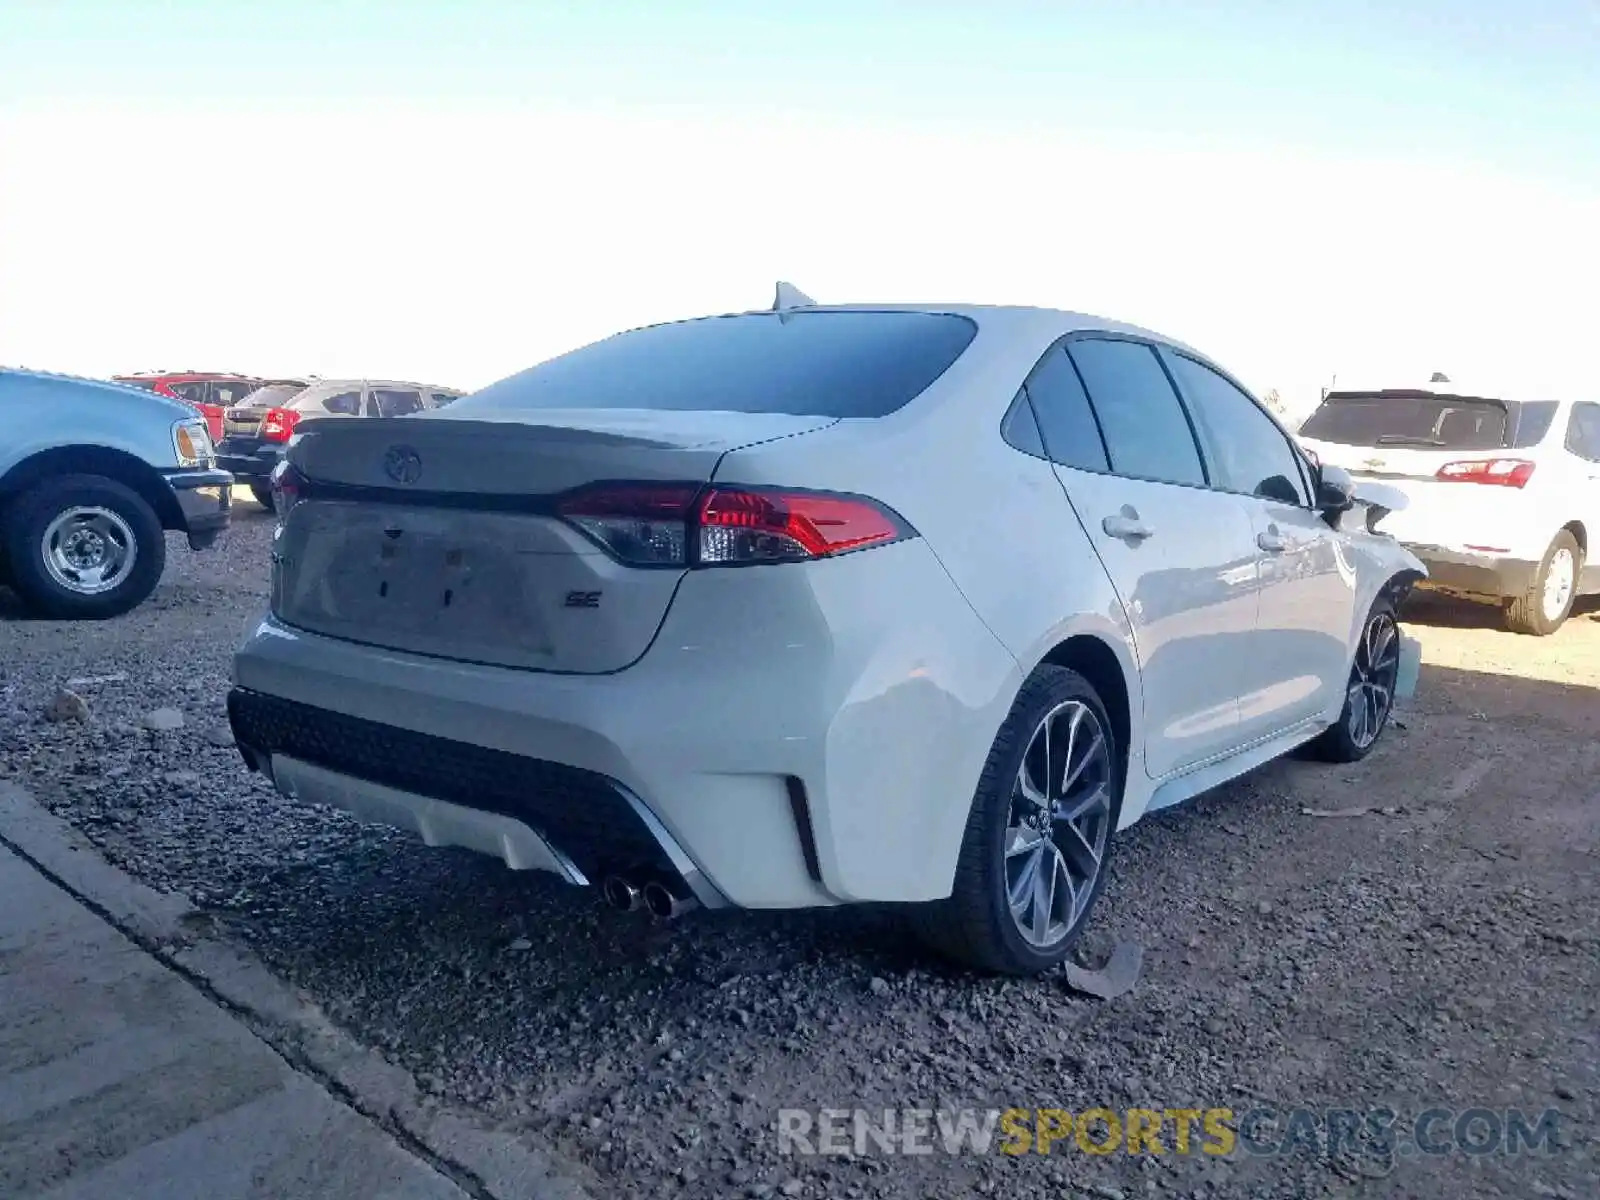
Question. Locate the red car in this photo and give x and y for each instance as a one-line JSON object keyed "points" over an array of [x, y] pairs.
{"points": [[208, 391]]}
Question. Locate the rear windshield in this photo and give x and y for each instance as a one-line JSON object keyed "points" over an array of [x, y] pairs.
{"points": [[273, 395], [825, 364], [1441, 422]]}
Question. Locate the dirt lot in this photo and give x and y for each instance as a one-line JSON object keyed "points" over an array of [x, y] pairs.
{"points": [[1440, 949]]}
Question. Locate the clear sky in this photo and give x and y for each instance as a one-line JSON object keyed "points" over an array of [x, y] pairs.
{"points": [[453, 190]]}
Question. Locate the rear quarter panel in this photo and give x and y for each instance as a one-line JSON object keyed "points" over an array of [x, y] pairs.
{"points": [[997, 519]]}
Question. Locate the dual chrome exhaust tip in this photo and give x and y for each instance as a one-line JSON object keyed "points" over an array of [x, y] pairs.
{"points": [[655, 896]]}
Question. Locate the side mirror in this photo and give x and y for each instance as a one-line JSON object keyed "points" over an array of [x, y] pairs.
{"points": [[1336, 491]]}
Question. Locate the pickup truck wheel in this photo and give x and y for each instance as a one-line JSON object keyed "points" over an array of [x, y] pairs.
{"points": [[263, 494], [1547, 603], [82, 547]]}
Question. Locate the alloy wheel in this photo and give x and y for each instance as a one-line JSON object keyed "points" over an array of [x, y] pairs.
{"points": [[1373, 678], [1059, 824], [1558, 584]]}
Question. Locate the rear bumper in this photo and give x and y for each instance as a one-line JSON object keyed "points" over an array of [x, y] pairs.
{"points": [[1490, 576], [205, 499], [251, 462], [829, 755]]}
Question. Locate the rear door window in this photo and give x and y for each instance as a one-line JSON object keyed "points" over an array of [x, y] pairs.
{"points": [[804, 363], [1404, 419], [343, 404], [442, 399], [1066, 422], [1147, 433], [395, 402], [191, 393]]}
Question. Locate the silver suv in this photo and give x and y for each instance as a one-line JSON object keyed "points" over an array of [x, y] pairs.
{"points": [[256, 431], [91, 475]]}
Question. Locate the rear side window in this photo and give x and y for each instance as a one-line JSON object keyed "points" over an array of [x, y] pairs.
{"points": [[1066, 422], [273, 395], [193, 393], [1408, 419], [1583, 431], [824, 364], [395, 402], [441, 399], [345, 404], [1147, 433]]}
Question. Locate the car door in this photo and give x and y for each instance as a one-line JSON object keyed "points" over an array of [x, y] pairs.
{"points": [[1179, 554], [1300, 657], [1583, 441], [395, 401]]}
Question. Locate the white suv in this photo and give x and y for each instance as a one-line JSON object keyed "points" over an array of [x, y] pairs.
{"points": [[819, 606], [1503, 495]]}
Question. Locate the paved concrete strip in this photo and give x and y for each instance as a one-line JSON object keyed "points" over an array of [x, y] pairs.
{"points": [[94, 1053], [120, 1080]]}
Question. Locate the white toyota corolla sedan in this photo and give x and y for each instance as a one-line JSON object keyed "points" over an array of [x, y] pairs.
{"points": [[822, 605]]}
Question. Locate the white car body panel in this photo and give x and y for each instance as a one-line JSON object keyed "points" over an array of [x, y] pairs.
{"points": [[875, 681]]}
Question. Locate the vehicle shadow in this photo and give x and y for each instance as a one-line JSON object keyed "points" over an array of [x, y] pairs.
{"points": [[1445, 612]]}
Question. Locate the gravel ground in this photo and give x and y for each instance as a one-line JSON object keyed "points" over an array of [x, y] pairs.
{"points": [[1442, 949]]}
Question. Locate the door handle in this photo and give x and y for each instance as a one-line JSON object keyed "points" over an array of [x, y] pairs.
{"points": [[1126, 527], [1274, 542]]}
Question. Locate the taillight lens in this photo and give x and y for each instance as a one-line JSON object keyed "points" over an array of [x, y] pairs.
{"points": [[671, 525], [278, 425], [1497, 472], [643, 525], [288, 485]]}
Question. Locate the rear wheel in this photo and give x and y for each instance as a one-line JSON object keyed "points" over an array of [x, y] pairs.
{"points": [[1369, 692], [1547, 603], [83, 547], [263, 494], [1034, 856]]}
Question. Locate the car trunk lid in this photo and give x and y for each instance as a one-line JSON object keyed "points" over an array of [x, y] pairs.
{"points": [[440, 536]]}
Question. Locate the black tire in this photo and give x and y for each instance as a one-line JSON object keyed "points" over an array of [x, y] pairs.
{"points": [[975, 925], [1340, 743], [23, 527], [1525, 613], [263, 494]]}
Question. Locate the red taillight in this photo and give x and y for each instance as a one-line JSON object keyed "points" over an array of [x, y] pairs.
{"points": [[278, 425], [287, 486], [1497, 472], [737, 525], [688, 525]]}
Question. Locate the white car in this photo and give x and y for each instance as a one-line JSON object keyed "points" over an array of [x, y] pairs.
{"points": [[820, 606], [1503, 495]]}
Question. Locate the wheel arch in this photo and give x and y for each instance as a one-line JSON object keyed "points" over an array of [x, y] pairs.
{"points": [[1580, 534], [1096, 660], [125, 468]]}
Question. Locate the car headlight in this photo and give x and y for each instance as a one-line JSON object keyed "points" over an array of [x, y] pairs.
{"points": [[191, 442]]}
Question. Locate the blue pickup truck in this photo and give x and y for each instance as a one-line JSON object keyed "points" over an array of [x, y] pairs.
{"points": [[92, 474]]}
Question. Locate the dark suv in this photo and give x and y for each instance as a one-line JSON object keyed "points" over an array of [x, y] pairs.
{"points": [[256, 431]]}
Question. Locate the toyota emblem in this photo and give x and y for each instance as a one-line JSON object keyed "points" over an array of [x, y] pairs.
{"points": [[402, 464]]}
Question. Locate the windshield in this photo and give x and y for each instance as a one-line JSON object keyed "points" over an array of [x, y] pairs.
{"points": [[824, 364], [1428, 422], [273, 395]]}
